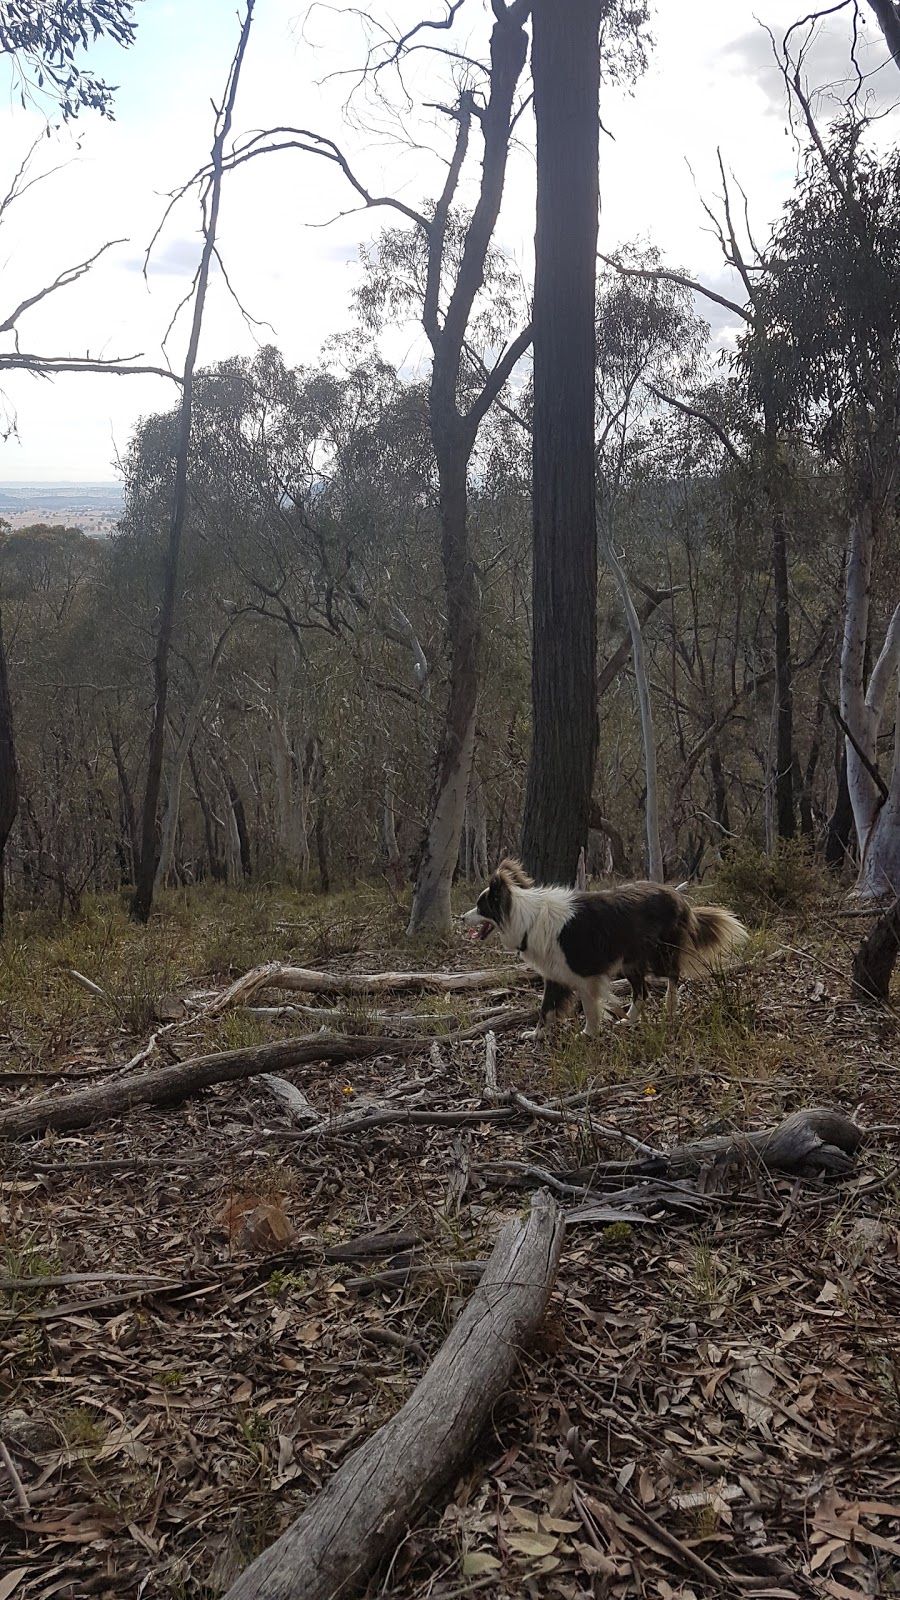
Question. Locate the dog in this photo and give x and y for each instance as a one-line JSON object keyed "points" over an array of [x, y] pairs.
{"points": [[580, 942]]}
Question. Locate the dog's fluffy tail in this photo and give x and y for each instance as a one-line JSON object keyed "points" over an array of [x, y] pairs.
{"points": [[713, 932]]}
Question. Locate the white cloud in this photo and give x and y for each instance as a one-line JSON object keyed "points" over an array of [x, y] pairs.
{"points": [[708, 85]]}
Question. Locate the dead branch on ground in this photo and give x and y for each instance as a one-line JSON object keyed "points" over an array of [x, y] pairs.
{"points": [[364, 1509], [170, 1085], [275, 975]]}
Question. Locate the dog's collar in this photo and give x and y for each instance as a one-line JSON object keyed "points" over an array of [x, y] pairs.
{"points": [[524, 945]]}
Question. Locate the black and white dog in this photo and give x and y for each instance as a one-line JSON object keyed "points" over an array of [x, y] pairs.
{"points": [[580, 942]]}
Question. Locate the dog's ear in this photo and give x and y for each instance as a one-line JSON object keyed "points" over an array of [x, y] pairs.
{"points": [[514, 873]]}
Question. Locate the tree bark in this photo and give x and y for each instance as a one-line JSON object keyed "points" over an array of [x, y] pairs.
{"points": [[784, 697], [888, 14], [840, 824], [651, 805], [873, 964], [862, 706], [879, 872], [239, 820], [9, 777], [142, 901], [565, 64], [216, 865], [377, 1494], [431, 899]]}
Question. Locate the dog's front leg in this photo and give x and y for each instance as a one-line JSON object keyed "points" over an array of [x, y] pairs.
{"points": [[558, 1003], [595, 998]]}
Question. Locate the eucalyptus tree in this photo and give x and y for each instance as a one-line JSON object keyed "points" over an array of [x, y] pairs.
{"points": [[831, 364]]}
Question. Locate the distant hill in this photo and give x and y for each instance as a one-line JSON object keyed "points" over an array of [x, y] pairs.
{"points": [[93, 507]]}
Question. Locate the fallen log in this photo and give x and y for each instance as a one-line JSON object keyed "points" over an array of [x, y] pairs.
{"points": [[305, 980], [816, 1137], [377, 1493], [170, 1085]]}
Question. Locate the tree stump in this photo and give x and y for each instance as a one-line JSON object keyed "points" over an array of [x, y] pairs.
{"points": [[873, 964]]}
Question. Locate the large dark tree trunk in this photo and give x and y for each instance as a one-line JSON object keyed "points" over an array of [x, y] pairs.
{"points": [[784, 696], [839, 832], [9, 781], [565, 65]]}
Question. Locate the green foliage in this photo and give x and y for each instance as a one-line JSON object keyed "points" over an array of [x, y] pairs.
{"points": [[43, 38], [823, 351], [758, 885]]}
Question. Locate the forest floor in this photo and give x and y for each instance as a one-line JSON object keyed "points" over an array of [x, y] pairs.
{"points": [[733, 1372]]}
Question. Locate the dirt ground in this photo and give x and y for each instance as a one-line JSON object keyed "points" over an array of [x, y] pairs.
{"points": [[712, 1406]]}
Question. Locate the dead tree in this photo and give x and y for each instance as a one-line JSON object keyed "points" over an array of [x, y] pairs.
{"points": [[211, 194], [453, 273]]}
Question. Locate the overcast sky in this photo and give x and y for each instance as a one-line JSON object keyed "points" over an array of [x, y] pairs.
{"points": [[711, 81]]}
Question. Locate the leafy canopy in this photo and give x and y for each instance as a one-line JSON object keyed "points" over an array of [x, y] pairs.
{"points": [[42, 39]]}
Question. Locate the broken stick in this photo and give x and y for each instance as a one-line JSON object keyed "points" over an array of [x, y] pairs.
{"points": [[377, 1493]]}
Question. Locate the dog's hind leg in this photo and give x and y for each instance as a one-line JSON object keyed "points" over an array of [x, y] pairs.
{"points": [[638, 996], [671, 999]]}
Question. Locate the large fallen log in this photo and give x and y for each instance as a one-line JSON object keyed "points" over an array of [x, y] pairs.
{"points": [[305, 980], [345, 1530], [170, 1085]]}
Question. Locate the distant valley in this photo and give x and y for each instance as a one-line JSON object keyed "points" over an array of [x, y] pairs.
{"points": [[93, 507]]}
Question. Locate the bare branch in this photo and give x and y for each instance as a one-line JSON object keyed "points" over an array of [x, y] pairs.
{"points": [[67, 276], [662, 274], [699, 416], [45, 366], [498, 376]]}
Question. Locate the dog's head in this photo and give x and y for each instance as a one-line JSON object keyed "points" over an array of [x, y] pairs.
{"points": [[493, 906]]}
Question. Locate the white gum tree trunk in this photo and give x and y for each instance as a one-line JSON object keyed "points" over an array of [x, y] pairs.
{"points": [[862, 708]]}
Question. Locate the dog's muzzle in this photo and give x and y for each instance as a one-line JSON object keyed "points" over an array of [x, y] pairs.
{"points": [[480, 926]]}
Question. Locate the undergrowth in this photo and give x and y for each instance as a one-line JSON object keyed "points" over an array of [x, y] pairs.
{"points": [[759, 886]]}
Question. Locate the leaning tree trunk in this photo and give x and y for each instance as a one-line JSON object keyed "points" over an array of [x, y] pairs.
{"points": [[880, 868], [151, 843], [565, 65], [9, 782], [431, 908], [862, 706]]}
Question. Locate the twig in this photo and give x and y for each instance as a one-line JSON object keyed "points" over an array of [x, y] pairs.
{"points": [[491, 1093], [88, 984], [15, 1480]]}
